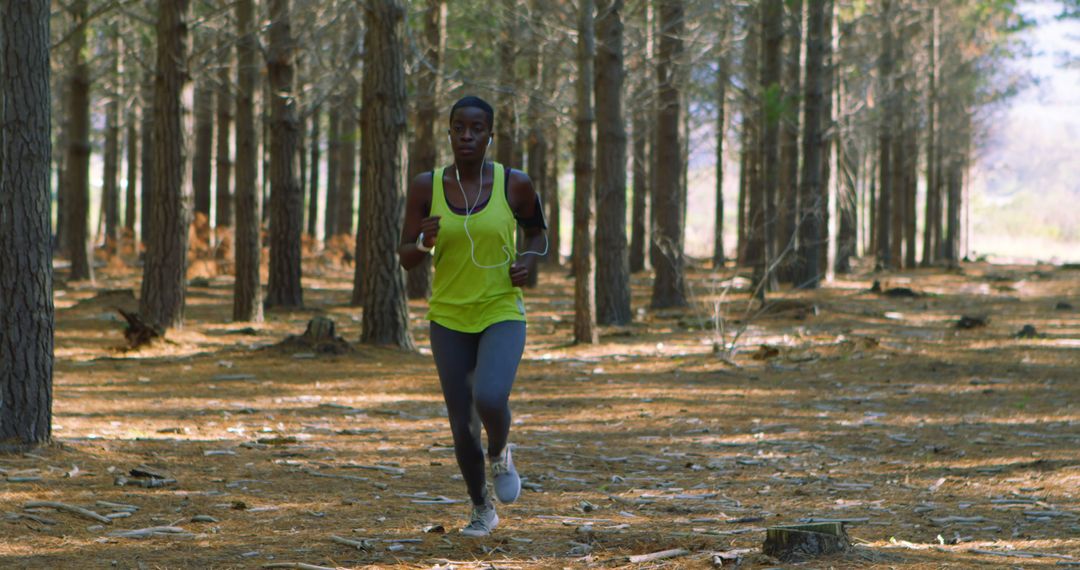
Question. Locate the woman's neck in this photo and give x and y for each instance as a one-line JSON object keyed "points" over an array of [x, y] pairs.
{"points": [[470, 170]]}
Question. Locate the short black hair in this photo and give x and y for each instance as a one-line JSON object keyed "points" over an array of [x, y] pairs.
{"points": [[475, 102]]}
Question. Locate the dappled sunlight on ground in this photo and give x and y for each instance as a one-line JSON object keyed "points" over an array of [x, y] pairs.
{"points": [[695, 429]]}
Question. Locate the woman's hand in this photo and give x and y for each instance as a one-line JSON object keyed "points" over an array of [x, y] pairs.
{"points": [[429, 227], [519, 274]]}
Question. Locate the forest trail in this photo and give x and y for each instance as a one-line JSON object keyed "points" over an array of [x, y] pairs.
{"points": [[941, 447]]}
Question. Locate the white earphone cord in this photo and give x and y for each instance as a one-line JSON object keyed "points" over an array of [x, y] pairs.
{"points": [[468, 212]]}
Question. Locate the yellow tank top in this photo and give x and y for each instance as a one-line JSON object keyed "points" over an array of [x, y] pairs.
{"points": [[465, 297]]}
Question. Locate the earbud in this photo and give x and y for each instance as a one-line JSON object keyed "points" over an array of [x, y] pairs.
{"points": [[449, 139], [489, 141]]}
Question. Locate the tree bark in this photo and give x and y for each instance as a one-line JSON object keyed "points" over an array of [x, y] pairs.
{"points": [[535, 143], [827, 137], [584, 298], [771, 105], [333, 151], [345, 209], [755, 199], [788, 200], [848, 160], [286, 198], [382, 167], [77, 177], [933, 197], [612, 257], [224, 211], [110, 187], [424, 153], [811, 207], [669, 286], [722, 78], [506, 121], [132, 146], [26, 278], [146, 160], [885, 141], [347, 135], [201, 165], [554, 209], [314, 159], [247, 293], [163, 286], [639, 217]]}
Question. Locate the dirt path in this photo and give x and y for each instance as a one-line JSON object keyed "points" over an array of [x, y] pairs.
{"points": [[941, 447]]}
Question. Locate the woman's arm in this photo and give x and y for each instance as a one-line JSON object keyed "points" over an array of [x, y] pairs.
{"points": [[527, 209], [417, 208]]}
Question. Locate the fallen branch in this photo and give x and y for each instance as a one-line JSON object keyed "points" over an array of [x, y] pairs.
{"points": [[1020, 553], [383, 468], [663, 554], [69, 508], [151, 531], [301, 565], [315, 473], [359, 544]]}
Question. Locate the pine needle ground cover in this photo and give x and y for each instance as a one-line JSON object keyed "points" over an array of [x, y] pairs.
{"points": [[937, 446]]}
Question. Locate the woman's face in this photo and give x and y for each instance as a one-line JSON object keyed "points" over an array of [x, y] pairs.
{"points": [[470, 133]]}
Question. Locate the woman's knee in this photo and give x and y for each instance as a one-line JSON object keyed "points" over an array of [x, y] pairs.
{"points": [[492, 405]]}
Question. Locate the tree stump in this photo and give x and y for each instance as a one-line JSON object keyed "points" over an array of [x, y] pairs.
{"points": [[138, 331], [320, 337], [795, 542]]}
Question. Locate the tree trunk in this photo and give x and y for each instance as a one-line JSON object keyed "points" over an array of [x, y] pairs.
{"points": [[898, 112], [638, 227], [224, 211], [722, 78], [347, 156], [132, 145], [247, 291], [506, 123], [146, 161], [848, 160], [612, 260], [911, 183], [201, 165], [163, 286], [742, 232], [827, 137], [885, 141], [77, 176], [554, 210], [424, 153], [669, 287], [286, 199], [933, 197], [584, 298], [313, 182], [535, 143], [755, 199], [333, 151], [110, 187], [788, 199], [346, 188], [26, 305], [771, 105], [382, 167], [811, 208]]}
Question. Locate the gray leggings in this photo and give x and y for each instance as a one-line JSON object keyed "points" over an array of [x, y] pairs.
{"points": [[476, 371]]}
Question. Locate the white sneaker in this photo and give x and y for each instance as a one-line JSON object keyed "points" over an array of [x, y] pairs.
{"points": [[484, 520], [507, 483]]}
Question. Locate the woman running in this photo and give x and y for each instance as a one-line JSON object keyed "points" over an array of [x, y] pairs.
{"points": [[466, 216]]}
